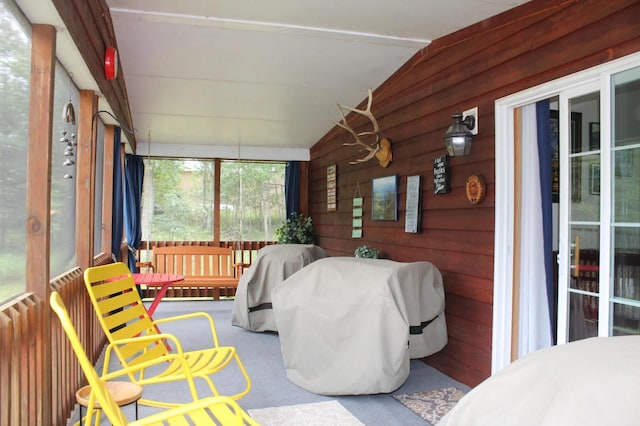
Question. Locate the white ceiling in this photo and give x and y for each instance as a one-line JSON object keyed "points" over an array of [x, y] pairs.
{"points": [[207, 76]]}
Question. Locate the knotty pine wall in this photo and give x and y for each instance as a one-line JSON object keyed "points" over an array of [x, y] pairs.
{"points": [[526, 46]]}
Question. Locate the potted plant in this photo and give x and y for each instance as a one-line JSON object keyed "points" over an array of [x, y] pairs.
{"points": [[298, 229], [367, 252]]}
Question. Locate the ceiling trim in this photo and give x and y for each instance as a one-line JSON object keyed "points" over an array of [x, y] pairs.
{"points": [[251, 25], [227, 152]]}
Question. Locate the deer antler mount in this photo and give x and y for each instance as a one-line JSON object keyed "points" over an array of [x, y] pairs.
{"points": [[380, 148]]}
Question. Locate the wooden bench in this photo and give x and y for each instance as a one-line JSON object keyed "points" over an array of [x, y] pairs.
{"points": [[202, 266]]}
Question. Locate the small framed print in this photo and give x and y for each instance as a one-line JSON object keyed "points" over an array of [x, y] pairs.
{"points": [[357, 202], [332, 184], [357, 212], [356, 233], [385, 198]]}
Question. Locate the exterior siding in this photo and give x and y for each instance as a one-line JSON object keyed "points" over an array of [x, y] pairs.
{"points": [[526, 46]]}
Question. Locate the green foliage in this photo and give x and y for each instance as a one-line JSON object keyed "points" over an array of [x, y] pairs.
{"points": [[366, 252], [298, 229]]}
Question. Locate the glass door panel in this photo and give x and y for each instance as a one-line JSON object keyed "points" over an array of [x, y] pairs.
{"points": [[584, 216], [625, 180]]}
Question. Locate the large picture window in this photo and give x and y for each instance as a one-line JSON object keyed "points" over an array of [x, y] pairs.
{"points": [[15, 71], [252, 200], [178, 200]]}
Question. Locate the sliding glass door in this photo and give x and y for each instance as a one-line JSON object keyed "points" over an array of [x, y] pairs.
{"points": [[599, 271]]}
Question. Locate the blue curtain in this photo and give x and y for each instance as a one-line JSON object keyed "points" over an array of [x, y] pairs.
{"points": [[544, 155], [292, 187], [133, 178], [117, 214]]}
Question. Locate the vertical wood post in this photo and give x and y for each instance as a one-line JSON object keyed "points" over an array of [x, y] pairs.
{"points": [[85, 178], [43, 62]]}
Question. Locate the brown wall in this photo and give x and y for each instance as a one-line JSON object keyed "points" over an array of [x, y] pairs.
{"points": [[526, 46]]}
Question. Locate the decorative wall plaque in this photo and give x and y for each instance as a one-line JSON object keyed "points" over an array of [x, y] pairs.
{"points": [[413, 206], [332, 184], [476, 189], [441, 174]]}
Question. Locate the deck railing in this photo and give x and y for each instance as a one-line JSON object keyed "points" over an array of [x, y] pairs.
{"points": [[22, 344]]}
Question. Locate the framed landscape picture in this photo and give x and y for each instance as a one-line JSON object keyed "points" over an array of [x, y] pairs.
{"points": [[385, 198]]}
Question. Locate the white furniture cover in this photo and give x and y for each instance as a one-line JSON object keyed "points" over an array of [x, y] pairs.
{"points": [[345, 323], [273, 264], [595, 381]]}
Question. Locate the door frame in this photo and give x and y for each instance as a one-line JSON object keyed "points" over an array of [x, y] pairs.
{"points": [[503, 276]]}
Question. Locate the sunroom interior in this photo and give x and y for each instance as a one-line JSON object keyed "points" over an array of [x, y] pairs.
{"points": [[235, 98]]}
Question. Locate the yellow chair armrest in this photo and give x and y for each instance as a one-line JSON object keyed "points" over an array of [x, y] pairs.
{"points": [[192, 315]]}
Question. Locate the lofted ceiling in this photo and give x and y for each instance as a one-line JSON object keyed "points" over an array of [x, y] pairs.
{"points": [[261, 79]]}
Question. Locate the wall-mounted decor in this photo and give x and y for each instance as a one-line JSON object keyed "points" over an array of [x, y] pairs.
{"points": [[414, 205], [379, 148], [356, 232], [594, 179], [332, 185], [441, 174], [476, 189], [594, 136], [385, 198]]}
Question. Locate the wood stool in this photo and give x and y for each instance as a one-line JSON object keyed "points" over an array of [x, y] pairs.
{"points": [[124, 393]]}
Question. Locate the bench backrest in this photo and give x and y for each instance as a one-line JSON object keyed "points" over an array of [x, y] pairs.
{"points": [[194, 261]]}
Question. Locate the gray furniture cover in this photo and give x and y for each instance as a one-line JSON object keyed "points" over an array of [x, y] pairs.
{"points": [[589, 382], [349, 326], [273, 264]]}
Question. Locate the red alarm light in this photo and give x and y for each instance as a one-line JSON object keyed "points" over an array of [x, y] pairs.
{"points": [[111, 63]]}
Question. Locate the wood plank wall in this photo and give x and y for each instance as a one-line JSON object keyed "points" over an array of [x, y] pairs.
{"points": [[526, 46]]}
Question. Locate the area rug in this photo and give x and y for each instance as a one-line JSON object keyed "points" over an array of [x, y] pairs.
{"points": [[329, 413], [432, 405]]}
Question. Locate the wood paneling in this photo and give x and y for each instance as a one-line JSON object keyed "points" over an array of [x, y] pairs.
{"points": [[528, 45], [90, 26]]}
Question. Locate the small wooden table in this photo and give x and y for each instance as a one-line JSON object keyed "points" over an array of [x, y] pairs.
{"points": [[156, 280], [124, 393]]}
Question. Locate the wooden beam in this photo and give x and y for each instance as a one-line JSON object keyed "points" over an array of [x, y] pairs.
{"points": [[90, 26], [43, 62], [85, 179], [216, 202]]}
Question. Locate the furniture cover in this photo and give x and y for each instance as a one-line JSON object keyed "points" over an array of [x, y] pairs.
{"points": [[349, 326], [274, 263], [595, 381]]}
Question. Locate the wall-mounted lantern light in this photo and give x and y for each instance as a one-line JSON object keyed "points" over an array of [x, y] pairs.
{"points": [[458, 138]]}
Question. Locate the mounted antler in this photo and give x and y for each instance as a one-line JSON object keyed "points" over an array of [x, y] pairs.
{"points": [[381, 149]]}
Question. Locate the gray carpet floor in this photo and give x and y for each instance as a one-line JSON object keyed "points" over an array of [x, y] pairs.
{"points": [[260, 353]]}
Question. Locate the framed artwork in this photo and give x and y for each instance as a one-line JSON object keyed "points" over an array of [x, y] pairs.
{"points": [[594, 136], [332, 185], [413, 207], [624, 163], [594, 179], [385, 198]]}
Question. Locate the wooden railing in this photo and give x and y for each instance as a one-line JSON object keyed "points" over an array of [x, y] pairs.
{"points": [[21, 344], [245, 252]]}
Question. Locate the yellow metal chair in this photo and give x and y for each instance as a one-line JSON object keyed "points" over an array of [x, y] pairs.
{"points": [[216, 410], [135, 338]]}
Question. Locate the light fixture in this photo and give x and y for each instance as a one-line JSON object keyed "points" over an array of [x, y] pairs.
{"points": [[458, 138], [111, 63]]}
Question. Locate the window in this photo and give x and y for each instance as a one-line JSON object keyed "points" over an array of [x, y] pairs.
{"points": [[178, 200], [15, 74], [252, 200], [63, 177]]}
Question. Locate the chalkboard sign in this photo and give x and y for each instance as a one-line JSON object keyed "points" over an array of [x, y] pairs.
{"points": [[441, 174]]}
